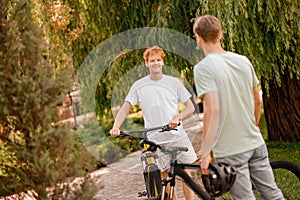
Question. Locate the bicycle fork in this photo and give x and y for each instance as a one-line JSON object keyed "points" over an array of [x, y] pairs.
{"points": [[164, 194], [170, 179]]}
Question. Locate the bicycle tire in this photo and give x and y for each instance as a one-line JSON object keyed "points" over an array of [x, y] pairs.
{"points": [[152, 178], [287, 176]]}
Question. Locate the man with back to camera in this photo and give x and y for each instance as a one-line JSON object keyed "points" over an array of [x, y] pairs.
{"points": [[158, 95], [227, 84]]}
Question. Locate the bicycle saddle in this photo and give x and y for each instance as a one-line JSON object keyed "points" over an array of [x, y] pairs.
{"points": [[220, 179]]}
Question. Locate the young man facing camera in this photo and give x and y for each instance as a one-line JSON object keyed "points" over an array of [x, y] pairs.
{"points": [[159, 95]]}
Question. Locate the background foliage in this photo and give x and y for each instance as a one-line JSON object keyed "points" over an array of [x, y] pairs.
{"points": [[35, 73], [266, 31], [44, 43]]}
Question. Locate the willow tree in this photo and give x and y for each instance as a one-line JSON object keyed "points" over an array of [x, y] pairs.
{"points": [[266, 31], [103, 19]]}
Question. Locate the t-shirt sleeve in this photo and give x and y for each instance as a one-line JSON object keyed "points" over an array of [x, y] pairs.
{"points": [[183, 93], [255, 80], [204, 80], [132, 96]]}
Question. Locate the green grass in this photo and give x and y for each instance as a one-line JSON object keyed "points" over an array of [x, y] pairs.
{"points": [[279, 150], [286, 181], [284, 151]]}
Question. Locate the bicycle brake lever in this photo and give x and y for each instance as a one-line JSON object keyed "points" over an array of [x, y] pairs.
{"points": [[167, 128]]}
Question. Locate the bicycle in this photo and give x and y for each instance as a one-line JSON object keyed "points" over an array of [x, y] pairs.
{"points": [[156, 187]]}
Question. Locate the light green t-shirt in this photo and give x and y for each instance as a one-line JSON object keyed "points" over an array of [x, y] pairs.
{"points": [[232, 76]]}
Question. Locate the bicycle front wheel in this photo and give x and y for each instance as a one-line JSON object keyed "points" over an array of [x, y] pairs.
{"points": [[287, 176], [152, 179]]}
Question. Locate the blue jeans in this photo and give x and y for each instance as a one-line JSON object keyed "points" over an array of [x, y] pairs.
{"points": [[253, 167]]}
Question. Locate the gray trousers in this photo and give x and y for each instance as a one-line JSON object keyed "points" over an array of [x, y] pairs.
{"points": [[253, 167]]}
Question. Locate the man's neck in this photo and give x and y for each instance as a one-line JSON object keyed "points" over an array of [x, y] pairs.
{"points": [[211, 48], [156, 77]]}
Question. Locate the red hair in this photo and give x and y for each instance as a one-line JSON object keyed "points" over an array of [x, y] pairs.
{"points": [[153, 51]]}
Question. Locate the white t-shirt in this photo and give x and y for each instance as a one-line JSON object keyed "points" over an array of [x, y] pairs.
{"points": [[159, 100], [232, 76]]}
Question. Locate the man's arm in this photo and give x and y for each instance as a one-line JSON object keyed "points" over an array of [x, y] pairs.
{"points": [[257, 105], [210, 126], [121, 116], [186, 112]]}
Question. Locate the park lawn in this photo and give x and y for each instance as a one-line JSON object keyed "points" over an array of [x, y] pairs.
{"points": [[279, 150], [284, 151]]}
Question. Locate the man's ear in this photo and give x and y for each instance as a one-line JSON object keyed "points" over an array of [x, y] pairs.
{"points": [[221, 35], [198, 38], [146, 64]]}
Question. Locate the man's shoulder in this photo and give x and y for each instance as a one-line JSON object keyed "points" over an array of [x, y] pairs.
{"points": [[238, 58], [204, 63], [139, 83], [212, 58], [171, 80], [233, 54], [141, 80], [170, 77]]}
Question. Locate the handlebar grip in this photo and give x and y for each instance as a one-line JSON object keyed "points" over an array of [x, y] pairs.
{"points": [[174, 149], [183, 149], [122, 134]]}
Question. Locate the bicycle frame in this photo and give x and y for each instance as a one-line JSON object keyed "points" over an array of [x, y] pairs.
{"points": [[177, 169]]}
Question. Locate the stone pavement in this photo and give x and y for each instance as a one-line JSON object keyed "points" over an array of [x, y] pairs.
{"points": [[123, 180]]}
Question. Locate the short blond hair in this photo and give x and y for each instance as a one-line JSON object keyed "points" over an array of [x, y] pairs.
{"points": [[208, 27], [153, 50]]}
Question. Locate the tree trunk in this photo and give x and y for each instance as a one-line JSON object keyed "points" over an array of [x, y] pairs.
{"points": [[282, 109]]}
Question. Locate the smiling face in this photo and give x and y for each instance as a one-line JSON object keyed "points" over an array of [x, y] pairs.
{"points": [[155, 63], [154, 60]]}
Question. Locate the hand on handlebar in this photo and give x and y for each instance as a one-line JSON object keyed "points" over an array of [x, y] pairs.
{"points": [[115, 131], [175, 121]]}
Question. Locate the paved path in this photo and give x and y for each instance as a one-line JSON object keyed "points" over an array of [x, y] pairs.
{"points": [[123, 180]]}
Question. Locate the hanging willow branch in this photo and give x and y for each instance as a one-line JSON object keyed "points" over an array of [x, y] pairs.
{"points": [[267, 32]]}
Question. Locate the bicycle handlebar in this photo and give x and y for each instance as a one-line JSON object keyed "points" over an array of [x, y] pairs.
{"points": [[143, 132], [174, 149]]}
